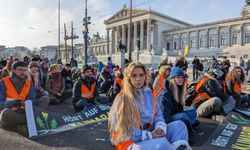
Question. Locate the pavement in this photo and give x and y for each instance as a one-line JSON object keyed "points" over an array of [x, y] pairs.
{"points": [[95, 136]]}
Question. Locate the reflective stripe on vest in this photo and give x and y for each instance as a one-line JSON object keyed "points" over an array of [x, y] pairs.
{"points": [[160, 87], [11, 93], [125, 145], [119, 81], [237, 88], [86, 93], [200, 96]]}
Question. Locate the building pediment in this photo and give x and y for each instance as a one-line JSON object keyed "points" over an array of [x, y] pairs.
{"points": [[124, 13]]}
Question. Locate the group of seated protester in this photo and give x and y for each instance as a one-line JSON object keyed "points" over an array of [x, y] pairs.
{"points": [[160, 116], [214, 95]]}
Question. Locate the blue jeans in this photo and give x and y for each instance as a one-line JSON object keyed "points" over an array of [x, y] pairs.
{"points": [[187, 115]]}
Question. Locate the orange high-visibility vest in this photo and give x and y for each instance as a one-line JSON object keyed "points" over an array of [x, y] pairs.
{"points": [[161, 86], [86, 93], [125, 145], [11, 93], [236, 87], [119, 81], [201, 95]]}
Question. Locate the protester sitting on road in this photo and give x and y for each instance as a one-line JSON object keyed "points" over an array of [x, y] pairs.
{"points": [[234, 79], [211, 100], [44, 73], [7, 69], [160, 78], [135, 118], [85, 92], [117, 86], [14, 91], [105, 80], [172, 100], [55, 85], [66, 74], [41, 93]]}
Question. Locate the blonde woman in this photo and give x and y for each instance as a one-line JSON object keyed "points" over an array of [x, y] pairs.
{"points": [[136, 121]]}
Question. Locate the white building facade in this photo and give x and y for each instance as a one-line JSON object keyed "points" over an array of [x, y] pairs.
{"points": [[151, 32]]}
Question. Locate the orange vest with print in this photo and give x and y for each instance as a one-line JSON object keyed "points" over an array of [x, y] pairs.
{"points": [[11, 93], [86, 93], [160, 87], [236, 86], [125, 145], [201, 95], [119, 81]]}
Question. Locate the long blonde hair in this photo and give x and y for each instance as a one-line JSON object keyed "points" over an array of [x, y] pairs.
{"points": [[124, 108], [179, 94], [233, 74]]}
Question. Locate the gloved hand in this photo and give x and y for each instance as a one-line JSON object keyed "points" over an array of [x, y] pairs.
{"points": [[15, 103]]}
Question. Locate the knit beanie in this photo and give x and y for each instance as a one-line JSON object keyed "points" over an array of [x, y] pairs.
{"points": [[176, 71]]}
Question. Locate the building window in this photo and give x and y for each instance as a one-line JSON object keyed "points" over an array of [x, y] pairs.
{"points": [[193, 44], [175, 45], [212, 42], [168, 46], [245, 56], [233, 56], [202, 43], [223, 41], [247, 38], [235, 39]]}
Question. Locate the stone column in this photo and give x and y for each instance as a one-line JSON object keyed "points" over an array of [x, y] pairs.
{"points": [[135, 36], [123, 35], [207, 41], [179, 48], [107, 51], [229, 36], [141, 34], [117, 32], [188, 40], [242, 35], [218, 37], [113, 41], [198, 39], [148, 35]]}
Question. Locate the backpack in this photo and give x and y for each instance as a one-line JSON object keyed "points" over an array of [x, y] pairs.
{"points": [[190, 94]]}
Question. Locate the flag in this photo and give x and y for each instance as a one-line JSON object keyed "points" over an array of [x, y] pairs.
{"points": [[185, 50]]}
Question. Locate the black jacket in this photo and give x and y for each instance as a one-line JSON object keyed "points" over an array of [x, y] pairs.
{"points": [[213, 88], [77, 89]]}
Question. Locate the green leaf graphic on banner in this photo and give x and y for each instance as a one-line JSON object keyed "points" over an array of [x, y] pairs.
{"points": [[53, 123], [241, 120], [40, 122]]}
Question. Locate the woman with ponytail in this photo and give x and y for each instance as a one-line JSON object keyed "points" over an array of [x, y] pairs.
{"points": [[135, 118]]}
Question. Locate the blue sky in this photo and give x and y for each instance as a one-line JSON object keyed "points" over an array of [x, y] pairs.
{"points": [[33, 23]]}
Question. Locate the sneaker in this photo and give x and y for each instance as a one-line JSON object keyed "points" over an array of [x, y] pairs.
{"points": [[23, 130], [219, 118]]}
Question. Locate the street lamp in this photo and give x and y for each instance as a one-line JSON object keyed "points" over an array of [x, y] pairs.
{"points": [[129, 31], [58, 51]]}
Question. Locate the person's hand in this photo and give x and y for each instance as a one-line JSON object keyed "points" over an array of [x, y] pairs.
{"points": [[58, 94], [157, 133]]}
